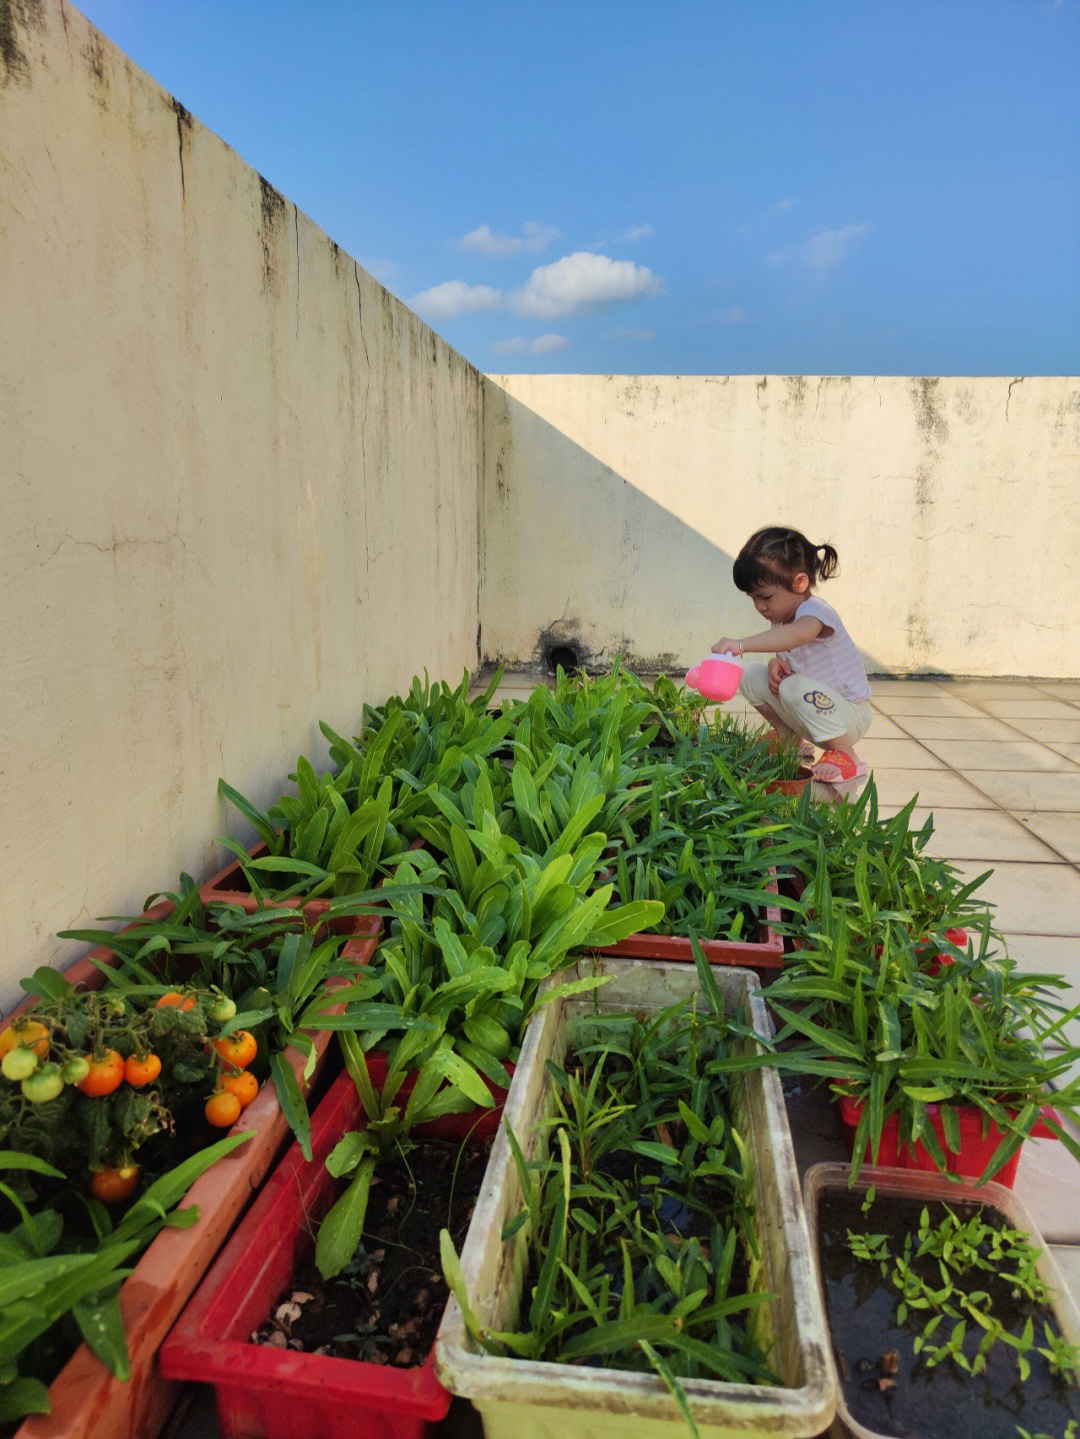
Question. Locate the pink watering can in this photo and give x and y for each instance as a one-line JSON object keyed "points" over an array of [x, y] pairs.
{"points": [[716, 677]]}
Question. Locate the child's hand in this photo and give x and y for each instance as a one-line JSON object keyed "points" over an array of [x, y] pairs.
{"points": [[778, 669], [727, 647]]}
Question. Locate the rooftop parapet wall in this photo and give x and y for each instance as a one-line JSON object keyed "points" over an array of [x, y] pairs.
{"points": [[614, 506], [239, 478]]}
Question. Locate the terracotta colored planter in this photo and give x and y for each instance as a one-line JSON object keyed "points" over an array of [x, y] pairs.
{"points": [[790, 786], [226, 887], [767, 952], [267, 1393], [88, 1401], [976, 1149]]}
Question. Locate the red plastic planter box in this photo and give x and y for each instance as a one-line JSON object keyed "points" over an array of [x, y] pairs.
{"points": [[86, 1399], [267, 1393], [765, 953], [976, 1149]]}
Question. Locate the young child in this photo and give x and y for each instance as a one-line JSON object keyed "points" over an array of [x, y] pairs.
{"points": [[815, 687]]}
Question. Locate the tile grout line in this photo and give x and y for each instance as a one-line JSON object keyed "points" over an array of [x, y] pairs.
{"points": [[986, 714], [989, 715]]}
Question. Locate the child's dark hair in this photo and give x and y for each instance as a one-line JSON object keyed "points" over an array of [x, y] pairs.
{"points": [[774, 555]]}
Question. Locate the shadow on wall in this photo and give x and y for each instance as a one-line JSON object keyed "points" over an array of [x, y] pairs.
{"points": [[580, 567]]}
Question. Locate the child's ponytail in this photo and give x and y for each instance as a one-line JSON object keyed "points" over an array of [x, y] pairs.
{"points": [[827, 562]]}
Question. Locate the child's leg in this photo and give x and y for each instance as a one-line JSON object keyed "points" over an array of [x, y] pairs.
{"points": [[755, 688], [831, 721]]}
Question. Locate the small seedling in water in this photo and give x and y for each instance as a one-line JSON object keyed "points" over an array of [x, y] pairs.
{"points": [[962, 1250]]}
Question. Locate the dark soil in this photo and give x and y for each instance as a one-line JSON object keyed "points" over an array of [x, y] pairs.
{"points": [[888, 1388], [385, 1306]]}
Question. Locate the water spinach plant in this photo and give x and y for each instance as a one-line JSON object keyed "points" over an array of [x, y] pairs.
{"points": [[639, 1210], [914, 1044]]}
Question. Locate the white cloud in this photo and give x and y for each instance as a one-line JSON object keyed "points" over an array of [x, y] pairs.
{"points": [[637, 232], [735, 316], [832, 246], [576, 282], [542, 345], [582, 281], [454, 297], [485, 241], [548, 344], [822, 251]]}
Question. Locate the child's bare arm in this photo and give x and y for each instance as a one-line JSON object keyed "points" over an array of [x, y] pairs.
{"points": [[780, 637]]}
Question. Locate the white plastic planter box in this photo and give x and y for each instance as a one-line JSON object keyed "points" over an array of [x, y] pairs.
{"points": [[521, 1399], [921, 1185]]}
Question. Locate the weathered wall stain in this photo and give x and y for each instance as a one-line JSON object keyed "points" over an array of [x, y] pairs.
{"points": [[928, 416], [16, 17], [93, 52], [273, 208]]}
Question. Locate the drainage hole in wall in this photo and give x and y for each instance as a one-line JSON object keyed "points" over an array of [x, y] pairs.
{"points": [[566, 655]]}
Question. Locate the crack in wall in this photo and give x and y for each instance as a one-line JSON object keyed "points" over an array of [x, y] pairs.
{"points": [[183, 122], [1018, 381]]}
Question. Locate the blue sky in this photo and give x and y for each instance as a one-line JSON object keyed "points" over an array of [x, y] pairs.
{"points": [[767, 186]]}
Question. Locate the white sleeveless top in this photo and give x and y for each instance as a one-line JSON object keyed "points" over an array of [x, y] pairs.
{"points": [[832, 661]]}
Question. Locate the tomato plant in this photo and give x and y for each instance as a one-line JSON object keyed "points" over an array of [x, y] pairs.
{"points": [[175, 1000], [244, 1085], [113, 1185], [75, 1069], [18, 1064], [46, 1084], [222, 1010], [222, 1109], [237, 1049], [141, 1069], [27, 1034], [106, 1073]]}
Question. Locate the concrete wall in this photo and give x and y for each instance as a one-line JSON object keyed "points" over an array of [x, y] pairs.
{"points": [[614, 506], [239, 480]]}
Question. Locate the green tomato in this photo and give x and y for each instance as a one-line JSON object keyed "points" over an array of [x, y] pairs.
{"points": [[75, 1069], [46, 1084], [222, 1010], [19, 1063]]}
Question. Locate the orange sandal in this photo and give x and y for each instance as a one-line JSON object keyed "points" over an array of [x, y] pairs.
{"points": [[834, 766]]}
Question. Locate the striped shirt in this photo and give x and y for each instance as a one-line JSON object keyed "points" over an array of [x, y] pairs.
{"points": [[832, 661]]}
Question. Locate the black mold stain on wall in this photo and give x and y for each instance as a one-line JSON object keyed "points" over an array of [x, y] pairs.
{"points": [[928, 416], [273, 208], [16, 18]]}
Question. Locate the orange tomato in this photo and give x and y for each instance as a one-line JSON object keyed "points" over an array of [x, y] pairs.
{"points": [[27, 1034], [175, 1000], [237, 1049], [106, 1074], [113, 1185], [244, 1085], [141, 1069], [222, 1109]]}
